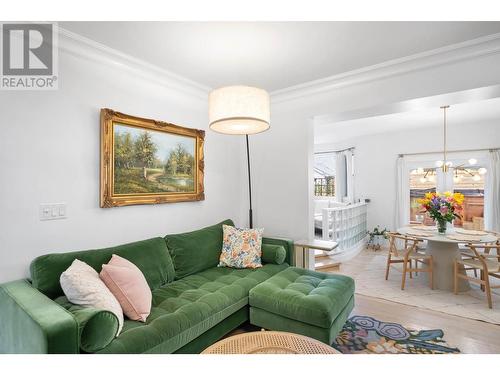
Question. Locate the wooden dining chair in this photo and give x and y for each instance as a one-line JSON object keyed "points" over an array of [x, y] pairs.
{"points": [[497, 242], [466, 253], [488, 264], [408, 255]]}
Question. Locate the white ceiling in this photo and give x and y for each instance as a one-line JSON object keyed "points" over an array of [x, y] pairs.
{"points": [[273, 55], [457, 115]]}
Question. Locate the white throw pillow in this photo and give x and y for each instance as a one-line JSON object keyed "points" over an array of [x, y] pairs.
{"points": [[82, 286]]}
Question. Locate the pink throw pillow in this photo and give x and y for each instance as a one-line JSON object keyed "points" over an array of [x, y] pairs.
{"points": [[129, 286]]}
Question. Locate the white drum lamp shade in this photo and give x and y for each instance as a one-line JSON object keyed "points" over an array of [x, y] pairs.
{"points": [[239, 110]]}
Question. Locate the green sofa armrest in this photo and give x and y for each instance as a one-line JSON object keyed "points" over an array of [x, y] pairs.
{"points": [[30, 322], [286, 243]]}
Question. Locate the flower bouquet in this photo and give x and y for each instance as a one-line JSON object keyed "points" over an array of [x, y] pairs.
{"points": [[443, 208]]}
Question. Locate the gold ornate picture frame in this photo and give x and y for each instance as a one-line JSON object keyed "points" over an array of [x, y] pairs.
{"points": [[145, 161]]}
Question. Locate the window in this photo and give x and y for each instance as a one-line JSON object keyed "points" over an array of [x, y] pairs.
{"points": [[324, 174], [421, 181], [465, 178], [470, 183]]}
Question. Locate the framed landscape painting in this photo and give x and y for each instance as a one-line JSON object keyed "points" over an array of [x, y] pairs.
{"points": [[147, 161]]}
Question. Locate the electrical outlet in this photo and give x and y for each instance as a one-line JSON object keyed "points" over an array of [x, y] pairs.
{"points": [[53, 211]]}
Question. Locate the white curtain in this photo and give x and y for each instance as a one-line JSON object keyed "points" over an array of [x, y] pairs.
{"points": [[340, 177], [344, 176], [349, 154], [402, 209], [492, 193]]}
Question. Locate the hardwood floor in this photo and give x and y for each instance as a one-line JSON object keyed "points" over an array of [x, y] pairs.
{"points": [[470, 336]]}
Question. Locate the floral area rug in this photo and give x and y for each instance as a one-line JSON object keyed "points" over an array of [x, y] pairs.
{"points": [[365, 335]]}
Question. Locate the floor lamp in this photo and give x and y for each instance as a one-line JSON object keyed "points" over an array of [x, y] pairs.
{"points": [[240, 110]]}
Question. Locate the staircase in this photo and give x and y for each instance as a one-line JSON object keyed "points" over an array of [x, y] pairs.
{"points": [[322, 262]]}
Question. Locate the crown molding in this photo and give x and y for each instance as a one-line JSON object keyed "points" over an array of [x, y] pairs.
{"points": [[417, 104], [474, 48], [86, 48], [89, 49]]}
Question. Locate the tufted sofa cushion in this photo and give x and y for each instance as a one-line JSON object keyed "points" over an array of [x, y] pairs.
{"points": [[186, 308], [311, 297]]}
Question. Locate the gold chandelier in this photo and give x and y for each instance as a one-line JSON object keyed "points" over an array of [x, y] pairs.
{"points": [[446, 165]]}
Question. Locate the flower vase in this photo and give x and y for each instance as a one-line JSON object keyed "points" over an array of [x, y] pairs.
{"points": [[442, 226]]}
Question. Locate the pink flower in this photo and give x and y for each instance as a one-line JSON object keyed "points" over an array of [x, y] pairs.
{"points": [[443, 210]]}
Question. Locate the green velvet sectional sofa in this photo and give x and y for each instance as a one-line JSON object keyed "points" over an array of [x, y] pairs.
{"points": [[195, 303]]}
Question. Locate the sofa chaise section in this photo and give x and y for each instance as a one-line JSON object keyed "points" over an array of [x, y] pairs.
{"points": [[302, 301]]}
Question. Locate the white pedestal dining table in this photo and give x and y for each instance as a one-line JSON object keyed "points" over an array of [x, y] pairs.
{"points": [[444, 250]]}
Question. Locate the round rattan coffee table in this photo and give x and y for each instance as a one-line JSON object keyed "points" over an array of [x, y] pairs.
{"points": [[269, 342]]}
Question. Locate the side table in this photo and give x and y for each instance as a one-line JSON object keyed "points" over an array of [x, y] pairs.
{"points": [[306, 245]]}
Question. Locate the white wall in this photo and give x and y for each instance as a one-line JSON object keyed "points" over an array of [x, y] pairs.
{"points": [[283, 186], [49, 153], [376, 154]]}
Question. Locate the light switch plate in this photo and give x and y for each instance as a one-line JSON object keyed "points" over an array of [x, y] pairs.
{"points": [[53, 211]]}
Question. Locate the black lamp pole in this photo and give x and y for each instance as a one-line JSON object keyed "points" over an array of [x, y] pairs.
{"points": [[240, 110], [250, 216]]}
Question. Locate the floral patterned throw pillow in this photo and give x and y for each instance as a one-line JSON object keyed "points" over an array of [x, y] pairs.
{"points": [[241, 248]]}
